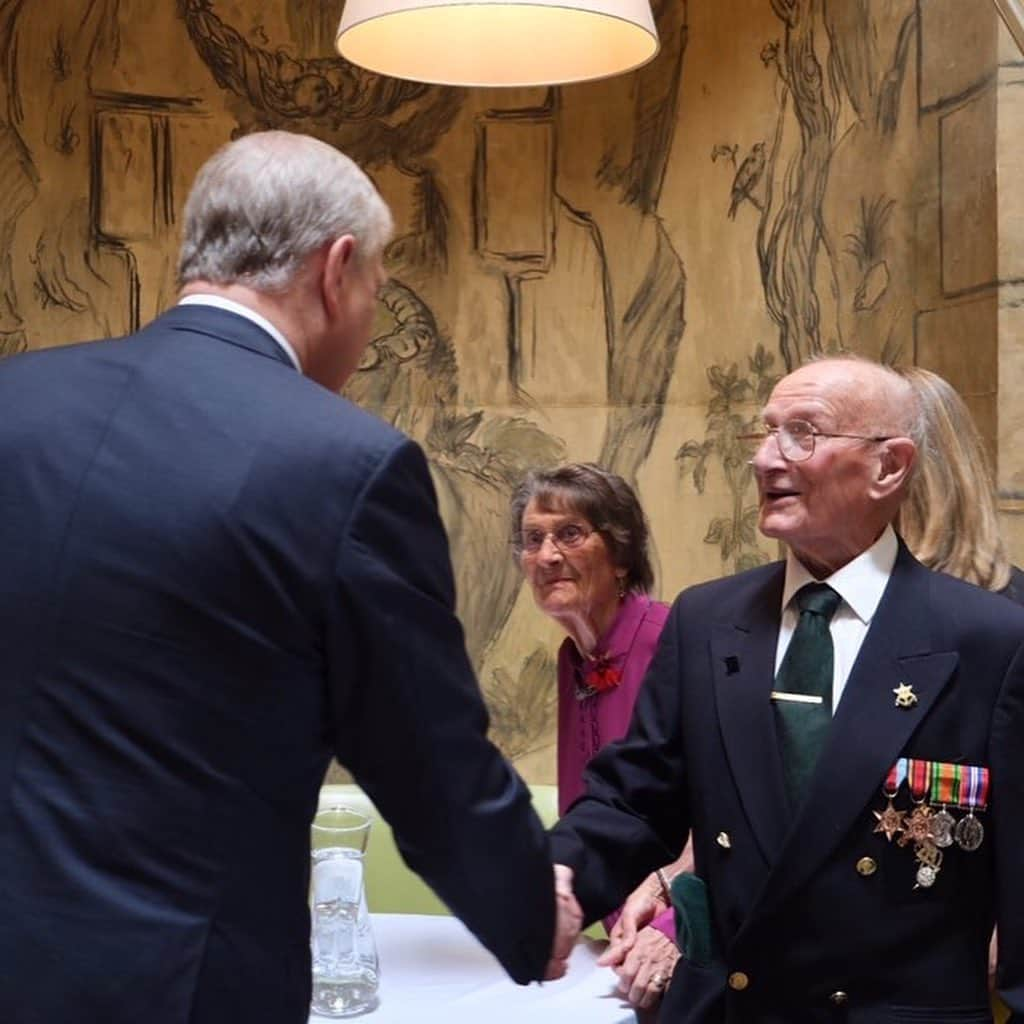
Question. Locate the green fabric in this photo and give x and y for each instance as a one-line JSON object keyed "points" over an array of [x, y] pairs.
{"points": [[391, 886], [693, 918], [806, 669]]}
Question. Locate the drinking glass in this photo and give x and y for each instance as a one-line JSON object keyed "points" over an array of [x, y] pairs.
{"points": [[345, 968]]}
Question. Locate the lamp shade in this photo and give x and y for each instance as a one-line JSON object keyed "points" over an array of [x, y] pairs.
{"points": [[497, 42]]}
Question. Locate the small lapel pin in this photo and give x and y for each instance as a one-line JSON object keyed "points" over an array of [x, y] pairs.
{"points": [[905, 696]]}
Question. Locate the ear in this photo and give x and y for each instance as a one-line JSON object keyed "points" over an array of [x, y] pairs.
{"points": [[339, 263], [895, 463]]}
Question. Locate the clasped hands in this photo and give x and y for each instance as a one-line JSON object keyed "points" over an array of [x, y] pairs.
{"points": [[641, 956], [568, 922]]}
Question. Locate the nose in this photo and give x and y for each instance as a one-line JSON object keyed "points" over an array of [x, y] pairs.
{"points": [[767, 456], [549, 550]]}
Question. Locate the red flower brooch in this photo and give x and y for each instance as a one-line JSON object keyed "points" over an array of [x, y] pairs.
{"points": [[599, 676]]}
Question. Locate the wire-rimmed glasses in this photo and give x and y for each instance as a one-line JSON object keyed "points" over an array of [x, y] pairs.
{"points": [[566, 537], [796, 438]]}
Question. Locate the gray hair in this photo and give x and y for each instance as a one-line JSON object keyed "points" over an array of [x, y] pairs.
{"points": [[263, 203], [603, 498]]}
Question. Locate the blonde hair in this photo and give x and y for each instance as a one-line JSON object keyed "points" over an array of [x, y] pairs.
{"points": [[950, 518]]}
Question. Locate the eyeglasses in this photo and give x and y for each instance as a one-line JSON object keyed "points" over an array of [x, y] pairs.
{"points": [[795, 439], [566, 537]]}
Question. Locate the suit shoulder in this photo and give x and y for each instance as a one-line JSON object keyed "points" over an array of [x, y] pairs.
{"points": [[362, 426], [307, 416], [42, 359], [727, 590], [1014, 590], [967, 602]]}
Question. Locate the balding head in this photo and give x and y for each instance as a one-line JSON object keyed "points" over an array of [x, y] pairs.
{"points": [[835, 475], [877, 399]]}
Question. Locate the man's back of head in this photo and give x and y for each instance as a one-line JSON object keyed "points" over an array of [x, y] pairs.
{"points": [[261, 204], [294, 231]]}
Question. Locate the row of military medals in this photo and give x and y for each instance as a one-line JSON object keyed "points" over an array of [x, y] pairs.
{"points": [[932, 785]]}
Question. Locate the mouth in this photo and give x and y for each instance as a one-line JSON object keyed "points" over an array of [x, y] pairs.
{"points": [[548, 584], [773, 495]]}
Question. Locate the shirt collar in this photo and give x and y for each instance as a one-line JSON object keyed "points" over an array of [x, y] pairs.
{"points": [[204, 299], [859, 583]]}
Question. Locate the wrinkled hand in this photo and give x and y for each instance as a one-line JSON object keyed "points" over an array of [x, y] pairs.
{"points": [[643, 905], [646, 969], [568, 922]]}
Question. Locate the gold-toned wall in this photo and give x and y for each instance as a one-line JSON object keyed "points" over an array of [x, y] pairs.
{"points": [[615, 271]]}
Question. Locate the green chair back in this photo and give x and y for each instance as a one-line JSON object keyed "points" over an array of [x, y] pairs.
{"points": [[391, 887]]}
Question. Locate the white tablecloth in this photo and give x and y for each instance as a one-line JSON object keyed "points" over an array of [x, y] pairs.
{"points": [[434, 971]]}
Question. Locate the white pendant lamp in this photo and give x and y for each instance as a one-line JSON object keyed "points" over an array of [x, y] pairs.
{"points": [[498, 42]]}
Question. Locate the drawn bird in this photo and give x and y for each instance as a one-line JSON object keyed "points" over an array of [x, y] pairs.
{"points": [[724, 151], [747, 179]]}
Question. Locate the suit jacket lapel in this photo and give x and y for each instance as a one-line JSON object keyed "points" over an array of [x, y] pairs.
{"points": [[869, 730], [743, 663]]}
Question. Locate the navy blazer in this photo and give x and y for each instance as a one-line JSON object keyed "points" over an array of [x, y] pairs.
{"points": [[215, 574], [803, 934]]}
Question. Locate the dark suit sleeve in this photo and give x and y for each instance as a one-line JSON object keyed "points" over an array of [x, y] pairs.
{"points": [[1006, 756], [410, 723], [634, 815]]}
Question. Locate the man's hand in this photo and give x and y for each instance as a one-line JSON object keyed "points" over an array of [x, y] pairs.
{"points": [[568, 922], [647, 968]]}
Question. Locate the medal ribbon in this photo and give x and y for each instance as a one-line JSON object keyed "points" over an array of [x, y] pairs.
{"points": [[893, 781], [920, 779], [944, 777], [977, 779]]}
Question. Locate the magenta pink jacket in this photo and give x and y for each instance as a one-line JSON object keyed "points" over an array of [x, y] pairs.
{"points": [[585, 726]]}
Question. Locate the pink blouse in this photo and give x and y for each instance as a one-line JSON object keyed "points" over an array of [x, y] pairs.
{"points": [[587, 725]]}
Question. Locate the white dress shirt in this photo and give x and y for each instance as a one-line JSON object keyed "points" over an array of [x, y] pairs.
{"points": [[860, 584], [202, 299]]}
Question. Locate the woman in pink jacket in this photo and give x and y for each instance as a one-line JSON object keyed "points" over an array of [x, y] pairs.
{"points": [[581, 539]]}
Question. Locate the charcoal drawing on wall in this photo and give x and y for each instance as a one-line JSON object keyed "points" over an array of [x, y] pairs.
{"points": [[616, 271]]}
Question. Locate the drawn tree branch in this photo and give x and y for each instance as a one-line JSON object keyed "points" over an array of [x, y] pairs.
{"points": [[734, 535], [374, 119], [644, 285], [49, 52], [409, 376], [523, 709], [792, 232], [853, 43]]}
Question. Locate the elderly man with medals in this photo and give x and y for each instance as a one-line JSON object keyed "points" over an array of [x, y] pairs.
{"points": [[840, 733]]}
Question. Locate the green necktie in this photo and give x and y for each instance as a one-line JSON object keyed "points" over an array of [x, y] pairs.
{"points": [[806, 669]]}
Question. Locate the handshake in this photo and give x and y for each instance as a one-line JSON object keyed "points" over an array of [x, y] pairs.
{"points": [[640, 952], [568, 922]]}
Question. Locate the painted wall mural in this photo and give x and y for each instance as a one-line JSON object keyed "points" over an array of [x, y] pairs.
{"points": [[618, 271]]}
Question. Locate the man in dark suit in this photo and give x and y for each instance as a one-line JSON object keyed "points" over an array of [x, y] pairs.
{"points": [[215, 574], [848, 868]]}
